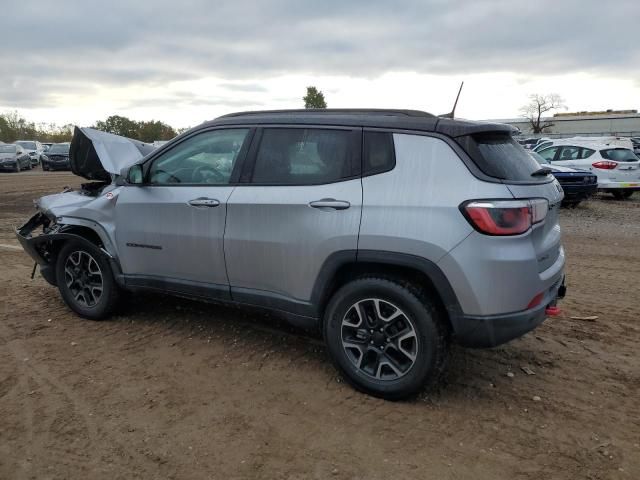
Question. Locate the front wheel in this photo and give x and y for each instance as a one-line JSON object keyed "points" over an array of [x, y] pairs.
{"points": [[85, 280], [386, 338]]}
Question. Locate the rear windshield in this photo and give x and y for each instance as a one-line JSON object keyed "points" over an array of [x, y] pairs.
{"points": [[619, 154], [7, 149], [498, 155]]}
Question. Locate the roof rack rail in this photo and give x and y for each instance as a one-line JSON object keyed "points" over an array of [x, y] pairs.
{"points": [[336, 111]]}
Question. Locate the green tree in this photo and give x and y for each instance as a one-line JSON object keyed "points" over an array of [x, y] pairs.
{"points": [[119, 125], [14, 127], [314, 98], [155, 130]]}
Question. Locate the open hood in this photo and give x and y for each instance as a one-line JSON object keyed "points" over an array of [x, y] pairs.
{"points": [[97, 155]]}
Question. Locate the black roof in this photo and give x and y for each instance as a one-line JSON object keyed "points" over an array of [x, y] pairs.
{"points": [[369, 117]]}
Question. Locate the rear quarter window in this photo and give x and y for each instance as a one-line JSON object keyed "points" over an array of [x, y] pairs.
{"points": [[586, 152], [499, 156]]}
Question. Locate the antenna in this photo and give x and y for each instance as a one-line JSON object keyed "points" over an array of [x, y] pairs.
{"points": [[452, 113]]}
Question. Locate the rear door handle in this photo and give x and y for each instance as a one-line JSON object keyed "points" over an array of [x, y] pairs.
{"points": [[330, 203], [204, 202]]}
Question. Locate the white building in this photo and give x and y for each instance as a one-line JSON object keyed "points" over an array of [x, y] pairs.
{"points": [[625, 123]]}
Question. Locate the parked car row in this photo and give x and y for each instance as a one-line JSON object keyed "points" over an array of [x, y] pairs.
{"points": [[613, 160], [578, 185], [26, 154]]}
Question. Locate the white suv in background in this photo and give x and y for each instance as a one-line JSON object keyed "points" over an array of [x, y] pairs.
{"points": [[617, 168]]}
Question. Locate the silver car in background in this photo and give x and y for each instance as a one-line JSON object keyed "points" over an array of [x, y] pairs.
{"points": [[392, 232], [33, 148]]}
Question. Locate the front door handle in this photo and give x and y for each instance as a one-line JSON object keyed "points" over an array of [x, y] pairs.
{"points": [[330, 203], [204, 202]]}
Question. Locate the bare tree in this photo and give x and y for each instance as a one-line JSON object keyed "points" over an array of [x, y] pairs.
{"points": [[539, 105]]}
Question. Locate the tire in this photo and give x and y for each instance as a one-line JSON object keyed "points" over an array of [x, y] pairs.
{"points": [[621, 194], [85, 280], [17, 170], [380, 363]]}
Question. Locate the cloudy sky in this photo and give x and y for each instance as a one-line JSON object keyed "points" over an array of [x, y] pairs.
{"points": [[186, 61]]}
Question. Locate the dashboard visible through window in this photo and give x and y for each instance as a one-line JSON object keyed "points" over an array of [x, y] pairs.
{"points": [[207, 158]]}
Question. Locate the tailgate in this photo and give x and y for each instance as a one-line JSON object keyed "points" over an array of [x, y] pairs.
{"points": [[546, 234]]}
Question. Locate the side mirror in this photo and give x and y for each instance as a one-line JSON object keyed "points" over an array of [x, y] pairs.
{"points": [[134, 175], [130, 176]]}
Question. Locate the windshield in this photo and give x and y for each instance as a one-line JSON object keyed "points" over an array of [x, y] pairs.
{"points": [[61, 148], [27, 145], [7, 149], [619, 155]]}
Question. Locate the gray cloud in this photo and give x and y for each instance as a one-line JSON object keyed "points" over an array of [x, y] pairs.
{"points": [[81, 44]]}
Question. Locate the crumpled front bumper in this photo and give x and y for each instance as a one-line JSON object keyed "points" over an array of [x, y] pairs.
{"points": [[29, 243], [38, 247]]}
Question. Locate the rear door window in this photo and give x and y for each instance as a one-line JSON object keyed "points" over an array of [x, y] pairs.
{"points": [[568, 153], [305, 156]]}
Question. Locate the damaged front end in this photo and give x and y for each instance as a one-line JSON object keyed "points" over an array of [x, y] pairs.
{"points": [[39, 238], [42, 237], [85, 215]]}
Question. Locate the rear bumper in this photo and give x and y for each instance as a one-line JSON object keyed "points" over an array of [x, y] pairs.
{"points": [[578, 192], [490, 331], [608, 186]]}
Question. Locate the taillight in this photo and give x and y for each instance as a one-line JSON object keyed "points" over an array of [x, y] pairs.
{"points": [[605, 165], [535, 301], [504, 217]]}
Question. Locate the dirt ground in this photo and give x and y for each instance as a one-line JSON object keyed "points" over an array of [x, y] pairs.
{"points": [[177, 389]]}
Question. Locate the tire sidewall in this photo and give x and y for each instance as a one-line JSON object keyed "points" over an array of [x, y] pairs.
{"points": [[420, 316], [103, 307]]}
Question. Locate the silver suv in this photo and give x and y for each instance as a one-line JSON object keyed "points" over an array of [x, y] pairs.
{"points": [[393, 232]]}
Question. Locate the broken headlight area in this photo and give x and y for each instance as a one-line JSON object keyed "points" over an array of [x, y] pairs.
{"points": [[34, 236]]}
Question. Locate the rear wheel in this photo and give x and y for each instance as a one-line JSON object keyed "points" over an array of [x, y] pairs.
{"points": [[85, 280], [385, 337], [622, 194]]}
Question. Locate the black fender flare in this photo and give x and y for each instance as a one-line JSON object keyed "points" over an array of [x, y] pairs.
{"points": [[340, 259], [33, 246]]}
